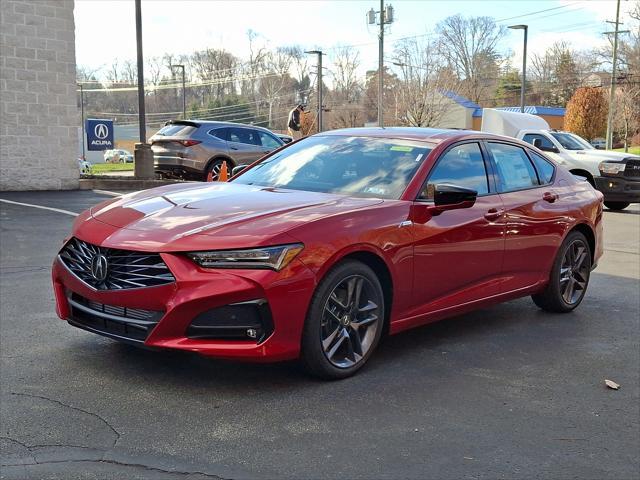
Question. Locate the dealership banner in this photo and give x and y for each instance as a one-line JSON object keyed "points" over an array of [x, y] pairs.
{"points": [[99, 134]]}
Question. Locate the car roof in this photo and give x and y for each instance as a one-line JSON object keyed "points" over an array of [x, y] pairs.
{"points": [[431, 135], [214, 123]]}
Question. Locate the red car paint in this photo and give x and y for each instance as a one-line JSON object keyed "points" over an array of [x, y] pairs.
{"points": [[438, 265]]}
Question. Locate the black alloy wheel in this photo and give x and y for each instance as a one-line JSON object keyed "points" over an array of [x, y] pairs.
{"points": [[345, 321]]}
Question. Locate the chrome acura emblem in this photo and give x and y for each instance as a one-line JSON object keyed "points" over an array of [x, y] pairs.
{"points": [[99, 267], [101, 131]]}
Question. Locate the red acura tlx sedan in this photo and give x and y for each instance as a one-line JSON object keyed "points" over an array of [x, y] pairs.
{"points": [[320, 248]]}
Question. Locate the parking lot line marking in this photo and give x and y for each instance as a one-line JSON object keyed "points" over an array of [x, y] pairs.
{"points": [[107, 192], [59, 210]]}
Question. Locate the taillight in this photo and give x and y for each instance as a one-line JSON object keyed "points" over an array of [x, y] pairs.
{"points": [[188, 143]]}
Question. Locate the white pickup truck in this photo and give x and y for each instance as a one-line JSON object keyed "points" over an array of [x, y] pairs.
{"points": [[615, 174]]}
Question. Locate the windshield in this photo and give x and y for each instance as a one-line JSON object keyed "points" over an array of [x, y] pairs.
{"points": [[358, 166], [571, 141]]}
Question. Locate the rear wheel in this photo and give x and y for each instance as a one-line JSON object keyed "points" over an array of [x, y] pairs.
{"points": [[214, 168], [616, 205], [569, 276], [344, 323]]}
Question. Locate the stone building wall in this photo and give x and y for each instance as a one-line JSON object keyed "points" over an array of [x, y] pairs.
{"points": [[39, 115]]}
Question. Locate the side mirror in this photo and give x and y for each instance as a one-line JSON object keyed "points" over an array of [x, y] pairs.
{"points": [[537, 142], [445, 197], [236, 170], [451, 197]]}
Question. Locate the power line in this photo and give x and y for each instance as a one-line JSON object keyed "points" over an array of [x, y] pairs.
{"points": [[537, 12]]}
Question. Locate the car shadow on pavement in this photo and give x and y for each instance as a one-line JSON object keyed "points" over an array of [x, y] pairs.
{"points": [[509, 328]]}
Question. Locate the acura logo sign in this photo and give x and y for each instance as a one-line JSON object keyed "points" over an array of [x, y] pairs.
{"points": [[101, 131], [99, 267]]}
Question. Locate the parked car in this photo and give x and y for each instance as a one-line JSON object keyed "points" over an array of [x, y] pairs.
{"points": [[322, 247], [599, 143], [118, 156], [615, 174], [195, 148]]}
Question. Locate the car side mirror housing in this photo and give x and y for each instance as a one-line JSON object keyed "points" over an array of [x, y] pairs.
{"points": [[537, 142], [452, 197], [236, 170]]}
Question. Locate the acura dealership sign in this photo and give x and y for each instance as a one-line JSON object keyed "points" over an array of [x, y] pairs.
{"points": [[99, 134]]}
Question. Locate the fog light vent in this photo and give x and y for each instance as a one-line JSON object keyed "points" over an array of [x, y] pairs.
{"points": [[237, 321]]}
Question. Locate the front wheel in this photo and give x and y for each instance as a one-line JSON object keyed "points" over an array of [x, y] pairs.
{"points": [[616, 205], [344, 323], [569, 276]]}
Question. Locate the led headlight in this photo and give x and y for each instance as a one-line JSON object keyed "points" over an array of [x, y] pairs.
{"points": [[612, 168], [274, 258]]}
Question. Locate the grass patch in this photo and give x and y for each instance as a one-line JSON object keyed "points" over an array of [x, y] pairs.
{"points": [[98, 168], [632, 150]]}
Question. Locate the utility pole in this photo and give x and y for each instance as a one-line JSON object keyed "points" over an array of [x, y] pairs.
{"points": [[319, 80], [612, 90], [184, 92], [82, 115], [385, 17], [524, 63]]}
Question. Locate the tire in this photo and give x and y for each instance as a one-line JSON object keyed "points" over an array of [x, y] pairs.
{"points": [[569, 276], [215, 166], [616, 205], [340, 335]]}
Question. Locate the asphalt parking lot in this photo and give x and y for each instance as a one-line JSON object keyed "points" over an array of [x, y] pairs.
{"points": [[505, 392]]}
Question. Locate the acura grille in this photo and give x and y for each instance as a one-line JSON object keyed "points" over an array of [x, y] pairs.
{"points": [[113, 269]]}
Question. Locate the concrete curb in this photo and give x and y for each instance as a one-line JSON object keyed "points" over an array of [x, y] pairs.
{"points": [[119, 183]]}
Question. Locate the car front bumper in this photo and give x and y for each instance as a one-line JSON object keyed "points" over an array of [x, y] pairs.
{"points": [[285, 295], [616, 189]]}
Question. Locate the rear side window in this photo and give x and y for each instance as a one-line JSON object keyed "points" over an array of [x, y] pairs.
{"points": [[515, 171], [220, 133], [244, 135], [463, 166], [545, 168], [176, 130]]}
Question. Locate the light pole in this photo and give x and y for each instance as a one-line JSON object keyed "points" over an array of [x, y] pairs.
{"points": [[143, 156], [184, 93], [319, 79], [82, 115], [524, 62]]}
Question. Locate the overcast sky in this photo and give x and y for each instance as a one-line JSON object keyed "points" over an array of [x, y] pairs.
{"points": [[105, 29]]}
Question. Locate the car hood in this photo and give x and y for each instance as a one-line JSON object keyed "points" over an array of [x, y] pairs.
{"points": [[221, 215], [599, 155]]}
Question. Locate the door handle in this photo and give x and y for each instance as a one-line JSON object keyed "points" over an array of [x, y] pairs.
{"points": [[233, 148], [549, 197], [493, 214]]}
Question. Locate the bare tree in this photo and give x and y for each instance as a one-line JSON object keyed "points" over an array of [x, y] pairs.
{"points": [[469, 46], [274, 80], [347, 89], [423, 81]]}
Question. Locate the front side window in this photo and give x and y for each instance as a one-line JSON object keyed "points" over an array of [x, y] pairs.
{"points": [[356, 166], [544, 167], [515, 171], [244, 135], [268, 141], [463, 166]]}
